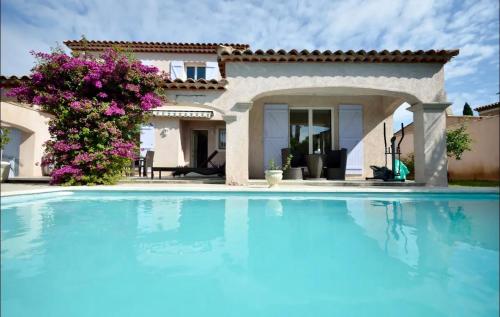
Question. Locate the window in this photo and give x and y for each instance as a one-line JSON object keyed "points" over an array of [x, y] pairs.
{"points": [[310, 131], [196, 72], [299, 134], [321, 131], [221, 139]]}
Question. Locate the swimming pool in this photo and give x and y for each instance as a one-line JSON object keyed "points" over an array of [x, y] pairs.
{"points": [[249, 254]]}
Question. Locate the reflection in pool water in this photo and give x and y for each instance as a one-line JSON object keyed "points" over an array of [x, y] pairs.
{"points": [[247, 254]]}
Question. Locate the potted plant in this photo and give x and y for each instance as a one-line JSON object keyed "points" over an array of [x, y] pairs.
{"points": [[4, 166], [293, 171], [274, 174], [47, 164]]}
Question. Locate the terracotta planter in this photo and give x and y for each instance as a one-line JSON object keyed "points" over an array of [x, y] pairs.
{"points": [[274, 177], [4, 171]]}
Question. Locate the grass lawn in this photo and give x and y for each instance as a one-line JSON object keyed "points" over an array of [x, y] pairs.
{"points": [[474, 183]]}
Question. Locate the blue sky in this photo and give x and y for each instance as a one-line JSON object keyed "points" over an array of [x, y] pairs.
{"points": [[471, 26]]}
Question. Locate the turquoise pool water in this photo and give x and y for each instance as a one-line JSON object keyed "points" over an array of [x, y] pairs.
{"points": [[249, 254]]}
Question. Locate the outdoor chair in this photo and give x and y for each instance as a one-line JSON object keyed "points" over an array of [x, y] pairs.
{"points": [[146, 163], [336, 161]]}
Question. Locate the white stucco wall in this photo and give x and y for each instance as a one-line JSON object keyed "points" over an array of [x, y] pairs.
{"points": [[35, 132], [418, 82], [162, 60]]}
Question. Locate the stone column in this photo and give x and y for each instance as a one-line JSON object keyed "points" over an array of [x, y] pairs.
{"points": [[429, 141], [237, 136]]}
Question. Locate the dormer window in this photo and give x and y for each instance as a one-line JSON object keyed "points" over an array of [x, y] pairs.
{"points": [[196, 72]]}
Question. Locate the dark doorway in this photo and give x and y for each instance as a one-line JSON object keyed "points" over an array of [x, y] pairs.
{"points": [[199, 150]]}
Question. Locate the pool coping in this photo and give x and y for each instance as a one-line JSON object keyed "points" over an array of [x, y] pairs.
{"points": [[253, 189]]}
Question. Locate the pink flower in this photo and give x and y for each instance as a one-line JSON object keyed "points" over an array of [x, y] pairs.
{"points": [[83, 158], [123, 149], [68, 95], [147, 69], [114, 109], [150, 100], [76, 105], [39, 100], [37, 77], [132, 87], [58, 175], [61, 146], [21, 91]]}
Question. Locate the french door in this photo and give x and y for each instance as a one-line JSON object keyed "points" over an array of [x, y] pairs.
{"points": [[310, 131]]}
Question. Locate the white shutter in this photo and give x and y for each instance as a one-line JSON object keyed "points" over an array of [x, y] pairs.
{"points": [[147, 139], [275, 132], [212, 70], [177, 70], [351, 137]]}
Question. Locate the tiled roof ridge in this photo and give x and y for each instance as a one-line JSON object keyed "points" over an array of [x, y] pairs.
{"points": [[140, 46], [488, 106], [248, 51]]}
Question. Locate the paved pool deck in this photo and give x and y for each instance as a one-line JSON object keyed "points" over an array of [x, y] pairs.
{"points": [[23, 189]]}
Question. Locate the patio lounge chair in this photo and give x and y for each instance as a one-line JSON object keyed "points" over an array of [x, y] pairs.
{"points": [[183, 170]]}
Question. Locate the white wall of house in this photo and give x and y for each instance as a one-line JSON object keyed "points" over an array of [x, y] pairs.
{"points": [[166, 62], [34, 130]]}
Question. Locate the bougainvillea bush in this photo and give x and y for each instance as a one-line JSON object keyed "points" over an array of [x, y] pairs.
{"points": [[98, 105]]}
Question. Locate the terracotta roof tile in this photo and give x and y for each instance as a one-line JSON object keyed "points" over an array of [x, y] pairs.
{"points": [[231, 54], [487, 107], [200, 84], [189, 84], [11, 81], [156, 47]]}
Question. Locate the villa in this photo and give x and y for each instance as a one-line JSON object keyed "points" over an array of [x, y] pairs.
{"points": [[202, 248], [249, 104]]}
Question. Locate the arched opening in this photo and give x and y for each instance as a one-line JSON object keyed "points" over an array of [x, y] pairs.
{"points": [[29, 131], [12, 150], [311, 121]]}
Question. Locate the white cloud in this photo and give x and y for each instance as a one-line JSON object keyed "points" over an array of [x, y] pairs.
{"points": [[469, 25]]}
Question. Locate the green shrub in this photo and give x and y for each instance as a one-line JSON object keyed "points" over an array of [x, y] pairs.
{"points": [[4, 137], [98, 106], [409, 161], [457, 142]]}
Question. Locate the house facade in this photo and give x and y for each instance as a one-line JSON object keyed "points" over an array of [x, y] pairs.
{"points": [[248, 105]]}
